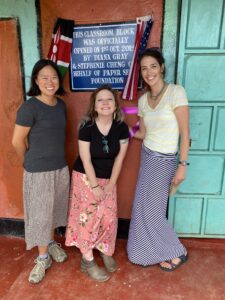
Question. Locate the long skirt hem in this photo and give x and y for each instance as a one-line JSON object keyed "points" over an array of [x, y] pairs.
{"points": [[151, 238]]}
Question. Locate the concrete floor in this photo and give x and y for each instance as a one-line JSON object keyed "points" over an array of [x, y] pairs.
{"points": [[201, 278]]}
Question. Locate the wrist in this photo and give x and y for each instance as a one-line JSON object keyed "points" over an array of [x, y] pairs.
{"points": [[183, 163], [111, 183], [94, 187]]}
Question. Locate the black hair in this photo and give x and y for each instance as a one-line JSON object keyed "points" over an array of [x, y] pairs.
{"points": [[34, 88]]}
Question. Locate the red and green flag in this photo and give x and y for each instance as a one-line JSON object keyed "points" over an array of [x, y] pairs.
{"points": [[61, 44]]}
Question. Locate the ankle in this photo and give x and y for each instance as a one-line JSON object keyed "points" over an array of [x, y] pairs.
{"points": [[87, 261], [88, 256], [87, 264], [43, 256]]}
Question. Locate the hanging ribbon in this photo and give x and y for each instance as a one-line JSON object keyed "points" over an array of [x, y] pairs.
{"points": [[131, 110]]}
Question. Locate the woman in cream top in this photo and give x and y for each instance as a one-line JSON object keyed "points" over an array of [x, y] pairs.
{"points": [[162, 132], [164, 118]]}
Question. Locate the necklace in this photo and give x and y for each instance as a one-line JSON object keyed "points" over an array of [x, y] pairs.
{"points": [[159, 93]]}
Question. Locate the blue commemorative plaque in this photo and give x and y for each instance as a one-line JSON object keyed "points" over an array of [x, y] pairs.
{"points": [[101, 54]]}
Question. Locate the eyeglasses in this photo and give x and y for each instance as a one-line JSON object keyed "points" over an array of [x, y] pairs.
{"points": [[105, 147]]}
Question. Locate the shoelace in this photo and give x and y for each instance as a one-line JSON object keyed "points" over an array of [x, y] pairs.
{"points": [[40, 266], [55, 245], [57, 249]]}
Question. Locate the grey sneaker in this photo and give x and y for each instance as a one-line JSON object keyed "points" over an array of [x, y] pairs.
{"points": [[56, 252], [38, 272], [93, 270]]}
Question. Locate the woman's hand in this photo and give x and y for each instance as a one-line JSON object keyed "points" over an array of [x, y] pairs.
{"points": [[108, 188], [98, 192], [180, 175]]}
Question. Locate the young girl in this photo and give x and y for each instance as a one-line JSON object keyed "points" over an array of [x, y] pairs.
{"points": [[92, 221], [38, 138], [164, 116]]}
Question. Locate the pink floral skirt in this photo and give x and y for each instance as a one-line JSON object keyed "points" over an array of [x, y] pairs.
{"points": [[91, 223]]}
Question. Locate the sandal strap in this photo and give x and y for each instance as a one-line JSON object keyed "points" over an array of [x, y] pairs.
{"points": [[183, 257]]}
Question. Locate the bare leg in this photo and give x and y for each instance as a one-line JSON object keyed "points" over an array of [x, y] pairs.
{"points": [[42, 250], [88, 255]]}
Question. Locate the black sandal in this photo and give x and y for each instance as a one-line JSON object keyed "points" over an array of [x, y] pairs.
{"points": [[183, 258]]}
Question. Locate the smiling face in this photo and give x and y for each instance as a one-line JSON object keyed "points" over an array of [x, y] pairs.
{"points": [[151, 71], [47, 81], [105, 104]]}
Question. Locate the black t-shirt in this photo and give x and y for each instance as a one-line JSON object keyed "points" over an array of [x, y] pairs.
{"points": [[46, 138], [103, 149]]}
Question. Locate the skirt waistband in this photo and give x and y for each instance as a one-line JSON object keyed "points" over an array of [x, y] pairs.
{"points": [[159, 154]]}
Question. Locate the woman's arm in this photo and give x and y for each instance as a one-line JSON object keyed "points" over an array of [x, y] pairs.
{"points": [[19, 140], [140, 133], [116, 167], [85, 155], [182, 116]]}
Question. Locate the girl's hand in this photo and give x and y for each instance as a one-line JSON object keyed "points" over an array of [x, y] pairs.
{"points": [[108, 188], [180, 175], [98, 192]]}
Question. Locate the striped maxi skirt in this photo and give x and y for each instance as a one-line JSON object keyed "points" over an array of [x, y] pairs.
{"points": [[151, 238]]}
